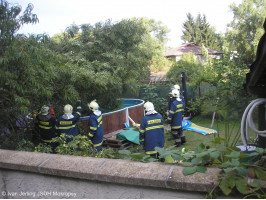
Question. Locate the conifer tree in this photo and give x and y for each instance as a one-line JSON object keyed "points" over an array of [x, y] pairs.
{"points": [[201, 32]]}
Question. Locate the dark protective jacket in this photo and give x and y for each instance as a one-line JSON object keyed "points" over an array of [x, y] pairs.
{"points": [[68, 125], [175, 116], [152, 132], [96, 130], [46, 126], [171, 99]]}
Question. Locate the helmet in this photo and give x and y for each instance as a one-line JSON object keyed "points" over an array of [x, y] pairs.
{"points": [[148, 106], [93, 106], [175, 93], [68, 109], [176, 87], [44, 110]]}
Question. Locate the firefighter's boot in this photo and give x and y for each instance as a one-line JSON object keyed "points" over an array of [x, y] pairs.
{"points": [[183, 139]]}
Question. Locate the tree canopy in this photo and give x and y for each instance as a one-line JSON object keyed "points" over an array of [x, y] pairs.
{"points": [[86, 61], [199, 31], [246, 28]]}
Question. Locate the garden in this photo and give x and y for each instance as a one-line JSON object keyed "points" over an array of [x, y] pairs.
{"points": [[81, 63]]}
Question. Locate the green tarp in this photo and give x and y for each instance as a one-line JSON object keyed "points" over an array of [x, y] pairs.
{"points": [[131, 135]]}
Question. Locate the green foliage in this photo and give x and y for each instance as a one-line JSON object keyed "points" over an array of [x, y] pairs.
{"points": [[200, 32], [43, 148], [224, 79], [151, 94], [25, 145], [246, 28], [236, 166], [188, 64], [80, 63], [11, 22], [128, 155], [79, 145], [93, 55], [160, 63]]}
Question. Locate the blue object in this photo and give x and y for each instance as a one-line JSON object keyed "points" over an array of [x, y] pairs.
{"points": [[130, 102], [188, 125], [126, 125]]}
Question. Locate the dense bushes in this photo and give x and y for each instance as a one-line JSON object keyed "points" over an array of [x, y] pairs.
{"points": [[85, 62]]}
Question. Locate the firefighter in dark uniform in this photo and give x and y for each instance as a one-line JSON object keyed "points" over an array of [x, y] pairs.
{"points": [[175, 118], [171, 99], [151, 130], [46, 126], [95, 126], [67, 123]]}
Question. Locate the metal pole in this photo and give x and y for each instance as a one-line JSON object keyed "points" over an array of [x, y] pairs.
{"points": [[184, 87]]}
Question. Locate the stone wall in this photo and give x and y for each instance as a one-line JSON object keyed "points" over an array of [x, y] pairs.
{"points": [[38, 175]]}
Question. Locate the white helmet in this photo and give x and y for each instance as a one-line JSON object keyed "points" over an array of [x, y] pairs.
{"points": [[175, 93], [176, 87], [93, 106], [148, 106], [68, 109], [44, 110]]}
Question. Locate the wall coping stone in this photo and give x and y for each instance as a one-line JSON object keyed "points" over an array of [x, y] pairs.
{"points": [[153, 174]]}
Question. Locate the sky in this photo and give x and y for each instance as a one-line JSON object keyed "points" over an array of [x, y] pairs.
{"points": [[56, 15]]}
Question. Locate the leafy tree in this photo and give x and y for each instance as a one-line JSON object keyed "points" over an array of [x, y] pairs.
{"points": [[246, 29], [188, 64], [26, 73], [11, 22], [200, 32], [94, 55]]}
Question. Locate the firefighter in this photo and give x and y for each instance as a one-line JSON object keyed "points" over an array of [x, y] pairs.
{"points": [[66, 124], [95, 126], [46, 126], [151, 130], [171, 99], [175, 118]]}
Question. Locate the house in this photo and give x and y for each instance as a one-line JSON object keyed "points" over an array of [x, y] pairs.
{"points": [[176, 53]]}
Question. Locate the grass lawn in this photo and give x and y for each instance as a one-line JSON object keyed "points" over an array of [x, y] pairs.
{"points": [[229, 131]]}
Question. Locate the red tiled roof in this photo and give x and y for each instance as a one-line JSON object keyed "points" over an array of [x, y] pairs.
{"points": [[189, 48]]}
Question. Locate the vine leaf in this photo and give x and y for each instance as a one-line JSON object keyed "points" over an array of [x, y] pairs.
{"points": [[260, 174], [227, 185], [242, 186], [201, 169], [189, 170]]}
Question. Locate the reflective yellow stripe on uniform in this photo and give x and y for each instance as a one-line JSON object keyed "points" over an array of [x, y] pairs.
{"points": [[175, 127], [99, 144], [151, 152], [44, 123], [172, 112], [142, 140], [78, 113], [100, 124], [99, 119], [154, 121], [154, 127], [45, 127], [93, 128], [65, 127], [90, 135], [142, 131], [179, 106], [79, 107]]}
